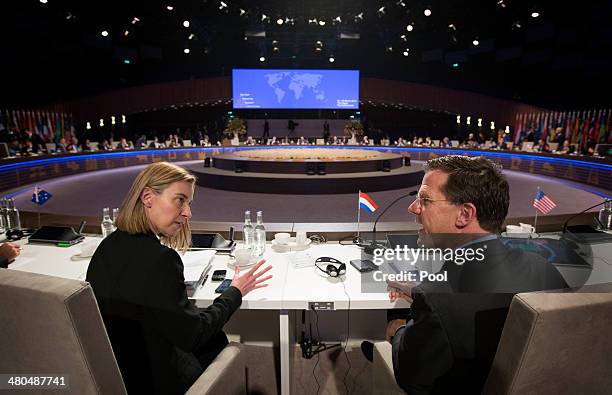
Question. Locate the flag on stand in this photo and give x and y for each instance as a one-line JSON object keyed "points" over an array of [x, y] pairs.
{"points": [[40, 196], [367, 203], [543, 203]]}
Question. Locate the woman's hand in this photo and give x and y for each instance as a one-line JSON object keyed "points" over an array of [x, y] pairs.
{"points": [[251, 280]]}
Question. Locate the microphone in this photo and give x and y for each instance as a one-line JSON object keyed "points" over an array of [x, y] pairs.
{"points": [[369, 249], [81, 227], [582, 212]]}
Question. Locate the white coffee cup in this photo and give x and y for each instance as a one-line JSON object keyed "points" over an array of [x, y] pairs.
{"points": [[514, 229], [300, 238], [282, 238], [89, 247], [527, 228], [243, 256]]}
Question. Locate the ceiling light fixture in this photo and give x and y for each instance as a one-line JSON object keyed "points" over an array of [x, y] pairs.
{"points": [[186, 24], [427, 12]]}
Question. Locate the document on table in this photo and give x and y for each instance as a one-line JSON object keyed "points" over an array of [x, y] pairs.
{"points": [[195, 262]]}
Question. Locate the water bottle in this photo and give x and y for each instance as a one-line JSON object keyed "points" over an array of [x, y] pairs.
{"points": [[115, 215], [605, 215], [3, 216], [14, 222], [248, 233], [260, 236], [107, 223]]}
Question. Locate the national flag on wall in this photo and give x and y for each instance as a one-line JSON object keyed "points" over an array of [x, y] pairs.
{"points": [[543, 203], [367, 203]]}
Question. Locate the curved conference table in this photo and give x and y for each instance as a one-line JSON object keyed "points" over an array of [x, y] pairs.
{"points": [[16, 172], [291, 288]]}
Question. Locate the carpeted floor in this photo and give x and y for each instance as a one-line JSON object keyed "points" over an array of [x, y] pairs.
{"points": [[88, 193]]}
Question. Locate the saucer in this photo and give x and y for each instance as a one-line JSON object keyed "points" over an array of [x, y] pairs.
{"points": [[290, 246], [520, 235]]}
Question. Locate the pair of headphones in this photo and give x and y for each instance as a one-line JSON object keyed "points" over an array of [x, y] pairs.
{"points": [[331, 266]]}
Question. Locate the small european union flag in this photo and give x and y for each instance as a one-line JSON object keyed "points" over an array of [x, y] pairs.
{"points": [[40, 196]]}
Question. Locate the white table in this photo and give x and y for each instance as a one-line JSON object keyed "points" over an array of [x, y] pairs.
{"points": [[289, 289]]}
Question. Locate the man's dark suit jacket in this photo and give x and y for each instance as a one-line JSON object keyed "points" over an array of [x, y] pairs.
{"points": [[449, 344], [139, 286]]}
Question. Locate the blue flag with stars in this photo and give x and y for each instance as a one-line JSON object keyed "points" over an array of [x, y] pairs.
{"points": [[40, 196]]}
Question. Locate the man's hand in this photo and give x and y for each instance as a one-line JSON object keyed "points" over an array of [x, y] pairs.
{"points": [[401, 290], [251, 280], [9, 251], [393, 326]]}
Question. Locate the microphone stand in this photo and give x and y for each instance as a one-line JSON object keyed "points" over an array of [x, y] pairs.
{"points": [[369, 248], [582, 212]]}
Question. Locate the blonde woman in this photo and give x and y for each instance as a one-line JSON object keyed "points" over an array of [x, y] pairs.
{"points": [[162, 342]]}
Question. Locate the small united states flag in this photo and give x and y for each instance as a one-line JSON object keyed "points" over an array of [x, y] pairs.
{"points": [[543, 203]]}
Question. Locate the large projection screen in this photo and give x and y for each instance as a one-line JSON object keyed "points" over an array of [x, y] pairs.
{"points": [[295, 89]]}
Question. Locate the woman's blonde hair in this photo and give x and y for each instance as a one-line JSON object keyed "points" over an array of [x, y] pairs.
{"points": [[132, 217]]}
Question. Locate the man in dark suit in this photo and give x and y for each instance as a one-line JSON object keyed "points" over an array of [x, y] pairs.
{"points": [[448, 341]]}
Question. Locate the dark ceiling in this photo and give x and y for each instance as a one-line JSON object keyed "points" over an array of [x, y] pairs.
{"points": [[559, 60]]}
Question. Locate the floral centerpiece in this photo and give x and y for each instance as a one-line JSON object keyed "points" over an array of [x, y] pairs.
{"points": [[235, 127], [353, 128]]}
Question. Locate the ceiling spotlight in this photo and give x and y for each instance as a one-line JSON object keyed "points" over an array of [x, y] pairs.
{"points": [[43, 1], [70, 16], [242, 12], [338, 19], [274, 42], [322, 23], [381, 11], [191, 36], [359, 17], [410, 27], [516, 25], [475, 42], [262, 58], [104, 33], [501, 3], [186, 50], [186, 23], [332, 59], [319, 43], [455, 65], [280, 21], [427, 12], [400, 3], [406, 52], [389, 48], [169, 7], [126, 33], [313, 20], [403, 37], [264, 17], [135, 20], [222, 5], [452, 27], [535, 14], [275, 49]]}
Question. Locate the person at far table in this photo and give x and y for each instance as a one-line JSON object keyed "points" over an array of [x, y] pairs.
{"points": [[8, 253], [162, 342]]}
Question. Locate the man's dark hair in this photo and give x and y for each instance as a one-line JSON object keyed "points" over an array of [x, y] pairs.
{"points": [[475, 180]]}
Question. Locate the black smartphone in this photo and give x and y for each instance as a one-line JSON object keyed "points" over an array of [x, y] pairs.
{"points": [[223, 286], [363, 265], [219, 275]]}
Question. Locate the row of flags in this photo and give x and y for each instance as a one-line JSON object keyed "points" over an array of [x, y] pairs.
{"points": [[578, 127], [51, 126]]}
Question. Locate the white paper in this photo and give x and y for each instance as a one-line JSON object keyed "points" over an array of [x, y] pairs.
{"points": [[197, 258]]}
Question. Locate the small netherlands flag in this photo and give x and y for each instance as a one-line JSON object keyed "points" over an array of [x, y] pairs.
{"points": [[367, 203]]}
